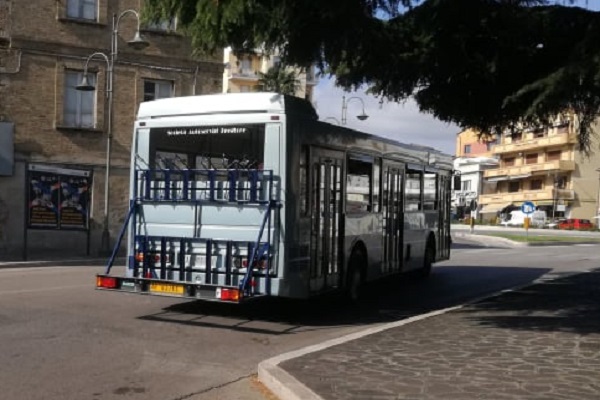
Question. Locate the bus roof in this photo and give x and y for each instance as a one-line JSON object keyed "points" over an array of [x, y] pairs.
{"points": [[223, 103], [269, 103]]}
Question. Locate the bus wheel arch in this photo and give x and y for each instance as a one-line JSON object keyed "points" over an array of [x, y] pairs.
{"points": [[356, 271]]}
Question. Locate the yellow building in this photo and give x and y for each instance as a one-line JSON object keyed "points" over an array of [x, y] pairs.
{"points": [[242, 73], [543, 166]]}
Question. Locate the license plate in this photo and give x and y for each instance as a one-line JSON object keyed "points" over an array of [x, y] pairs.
{"points": [[167, 288]]}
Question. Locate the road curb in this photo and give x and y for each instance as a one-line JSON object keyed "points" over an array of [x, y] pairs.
{"points": [[286, 387], [489, 241]]}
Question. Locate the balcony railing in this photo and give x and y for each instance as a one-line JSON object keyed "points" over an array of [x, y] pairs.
{"points": [[525, 145], [528, 195], [558, 165], [245, 74]]}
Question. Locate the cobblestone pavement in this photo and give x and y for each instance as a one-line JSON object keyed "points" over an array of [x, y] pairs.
{"points": [[540, 342]]}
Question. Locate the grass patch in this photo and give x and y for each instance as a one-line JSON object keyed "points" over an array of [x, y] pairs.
{"points": [[543, 238]]}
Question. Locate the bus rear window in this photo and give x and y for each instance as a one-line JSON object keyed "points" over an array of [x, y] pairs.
{"points": [[208, 147]]}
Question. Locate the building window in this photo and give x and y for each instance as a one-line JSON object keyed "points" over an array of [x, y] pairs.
{"points": [[467, 148], [509, 162], [531, 158], [536, 184], [79, 106], [246, 66], [82, 9], [553, 155], [466, 186], [538, 133], [154, 90], [244, 89], [517, 136], [490, 145], [166, 25], [514, 186]]}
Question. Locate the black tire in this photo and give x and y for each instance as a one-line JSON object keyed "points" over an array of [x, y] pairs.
{"points": [[354, 277], [428, 260]]}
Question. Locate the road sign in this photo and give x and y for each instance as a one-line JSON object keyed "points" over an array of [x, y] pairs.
{"points": [[527, 207]]}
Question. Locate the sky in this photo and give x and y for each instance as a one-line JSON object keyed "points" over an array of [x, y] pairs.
{"points": [[402, 122]]}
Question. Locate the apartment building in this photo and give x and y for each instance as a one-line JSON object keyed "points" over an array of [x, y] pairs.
{"points": [[241, 73], [543, 166], [474, 155], [54, 139]]}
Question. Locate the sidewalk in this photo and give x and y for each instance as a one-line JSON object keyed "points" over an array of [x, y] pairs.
{"points": [[53, 262], [538, 342]]}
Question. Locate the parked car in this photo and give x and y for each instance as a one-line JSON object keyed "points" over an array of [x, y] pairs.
{"points": [[517, 218], [576, 223]]}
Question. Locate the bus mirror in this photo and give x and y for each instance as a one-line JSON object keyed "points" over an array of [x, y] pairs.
{"points": [[456, 182]]}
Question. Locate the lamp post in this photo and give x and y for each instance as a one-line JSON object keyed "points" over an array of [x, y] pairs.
{"points": [[337, 121], [137, 43], [345, 102]]}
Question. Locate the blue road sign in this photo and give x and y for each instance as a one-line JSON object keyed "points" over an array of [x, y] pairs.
{"points": [[528, 207]]}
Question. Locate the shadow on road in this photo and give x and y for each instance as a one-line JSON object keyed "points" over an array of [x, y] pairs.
{"points": [[385, 301], [569, 304]]}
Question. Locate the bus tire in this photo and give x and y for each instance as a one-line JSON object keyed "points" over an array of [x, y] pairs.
{"points": [[354, 278], [428, 260]]}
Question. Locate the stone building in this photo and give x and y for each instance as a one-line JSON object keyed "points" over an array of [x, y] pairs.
{"points": [[54, 138]]}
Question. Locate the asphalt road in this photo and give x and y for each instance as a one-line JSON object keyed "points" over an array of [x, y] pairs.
{"points": [[60, 339]]}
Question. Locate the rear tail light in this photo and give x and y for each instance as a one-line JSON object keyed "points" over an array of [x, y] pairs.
{"points": [[106, 282], [227, 294]]}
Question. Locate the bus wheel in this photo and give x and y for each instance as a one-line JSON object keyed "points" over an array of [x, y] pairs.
{"points": [[428, 259], [354, 279]]}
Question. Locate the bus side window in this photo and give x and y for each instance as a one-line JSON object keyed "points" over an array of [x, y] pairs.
{"points": [[358, 184], [303, 182], [412, 191], [376, 185], [429, 191]]}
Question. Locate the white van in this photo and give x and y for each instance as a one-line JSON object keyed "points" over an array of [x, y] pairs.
{"points": [[517, 218]]}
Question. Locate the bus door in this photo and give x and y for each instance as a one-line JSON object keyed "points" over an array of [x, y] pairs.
{"points": [[326, 218], [393, 217], [443, 250]]}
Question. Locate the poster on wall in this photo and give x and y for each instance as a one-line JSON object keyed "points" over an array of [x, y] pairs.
{"points": [[58, 198]]}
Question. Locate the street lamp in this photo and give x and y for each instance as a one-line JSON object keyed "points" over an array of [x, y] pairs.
{"points": [[337, 121], [345, 102], [137, 43]]}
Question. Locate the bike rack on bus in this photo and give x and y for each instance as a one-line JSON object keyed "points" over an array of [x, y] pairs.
{"points": [[219, 186]]}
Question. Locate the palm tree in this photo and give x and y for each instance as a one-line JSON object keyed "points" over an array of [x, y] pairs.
{"points": [[280, 80]]}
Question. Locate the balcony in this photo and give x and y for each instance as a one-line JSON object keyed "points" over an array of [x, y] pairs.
{"points": [[516, 197], [243, 75], [524, 171], [531, 144], [527, 195]]}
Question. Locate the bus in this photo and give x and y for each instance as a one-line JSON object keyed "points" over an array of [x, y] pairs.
{"points": [[245, 195]]}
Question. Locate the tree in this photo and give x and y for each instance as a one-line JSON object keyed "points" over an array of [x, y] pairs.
{"points": [[280, 80], [492, 65]]}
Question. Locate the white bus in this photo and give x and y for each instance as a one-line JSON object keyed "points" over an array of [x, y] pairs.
{"points": [[237, 196]]}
